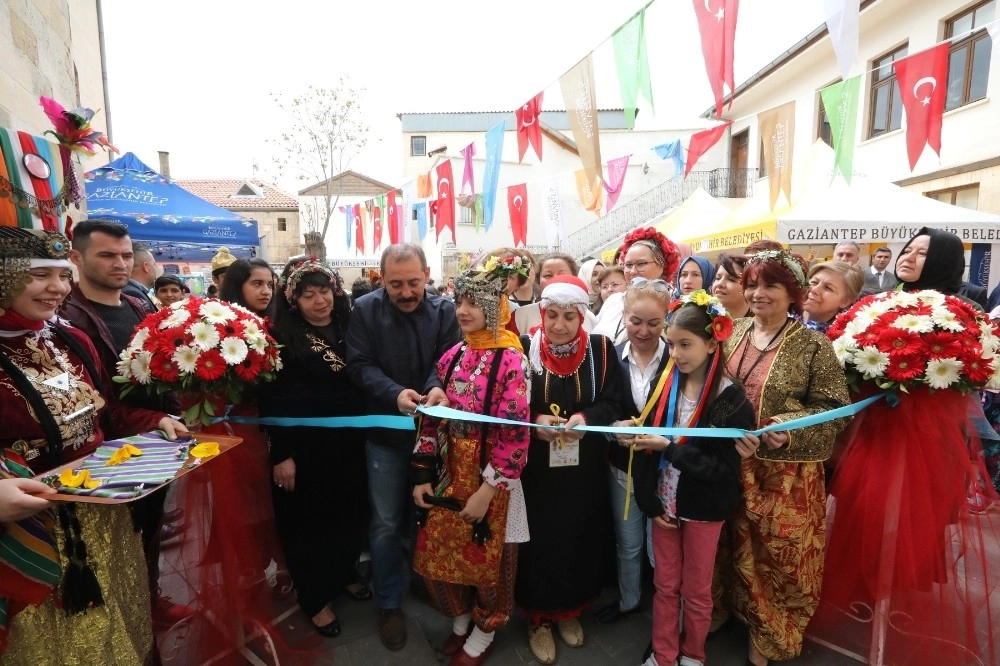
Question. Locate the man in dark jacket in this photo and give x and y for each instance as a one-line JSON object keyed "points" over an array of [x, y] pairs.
{"points": [[143, 276], [396, 336]]}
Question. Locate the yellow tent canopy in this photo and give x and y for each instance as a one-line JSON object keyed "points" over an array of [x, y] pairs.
{"points": [[698, 211]]}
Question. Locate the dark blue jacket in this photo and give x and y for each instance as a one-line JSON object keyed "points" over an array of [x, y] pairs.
{"points": [[389, 351]]}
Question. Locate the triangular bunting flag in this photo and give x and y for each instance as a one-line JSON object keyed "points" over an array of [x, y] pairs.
{"points": [[701, 142], [529, 127], [923, 86]]}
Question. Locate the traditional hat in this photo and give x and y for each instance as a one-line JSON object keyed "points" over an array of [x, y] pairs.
{"points": [[293, 273], [487, 287], [24, 249], [565, 291], [222, 260]]}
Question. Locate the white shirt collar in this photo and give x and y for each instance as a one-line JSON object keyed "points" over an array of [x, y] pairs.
{"points": [[660, 348]]}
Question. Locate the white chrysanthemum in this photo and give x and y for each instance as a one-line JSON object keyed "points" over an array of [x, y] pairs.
{"points": [[931, 297], [186, 358], [881, 305], [942, 372], [856, 326], [234, 350], [994, 383], [250, 328], [868, 314], [140, 367], [844, 348], [914, 323], [205, 336], [871, 362], [178, 304], [139, 339], [987, 338], [215, 312], [904, 299], [124, 365], [177, 318], [945, 319]]}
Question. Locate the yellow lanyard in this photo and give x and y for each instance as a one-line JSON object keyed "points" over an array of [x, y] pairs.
{"points": [[639, 420]]}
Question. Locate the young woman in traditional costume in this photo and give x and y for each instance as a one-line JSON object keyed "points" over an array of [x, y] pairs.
{"points": [[788, 372], [319, 487], [56, 406], [468, 474], [575, 381], [693, 486]]}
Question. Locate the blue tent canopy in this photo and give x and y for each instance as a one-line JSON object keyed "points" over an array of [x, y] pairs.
{"points": [[163, 214]]}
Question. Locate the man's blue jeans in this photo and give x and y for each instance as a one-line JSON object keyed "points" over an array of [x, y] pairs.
{"points": [[388, 489]]}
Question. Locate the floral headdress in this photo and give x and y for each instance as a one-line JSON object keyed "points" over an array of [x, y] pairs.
{"points": [[23, 249], [663, 248], [487, 286], [790, 263], [300, 269], [721, 326]]}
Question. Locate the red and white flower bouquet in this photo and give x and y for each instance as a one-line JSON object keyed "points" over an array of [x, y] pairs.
{"points": [[200, 346], [904, 340]]}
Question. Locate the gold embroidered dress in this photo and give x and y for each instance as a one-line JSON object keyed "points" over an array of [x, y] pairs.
{"points": [[120, 631], [779, 528]]}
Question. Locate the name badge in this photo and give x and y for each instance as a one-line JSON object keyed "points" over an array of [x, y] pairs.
{"points": [[563, 453]]}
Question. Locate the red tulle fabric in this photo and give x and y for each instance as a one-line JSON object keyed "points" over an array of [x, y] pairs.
{"points": [[224, 572], [910, 570]]}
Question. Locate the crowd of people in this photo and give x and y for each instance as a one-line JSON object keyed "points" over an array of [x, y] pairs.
{"points": [[486, 516]]}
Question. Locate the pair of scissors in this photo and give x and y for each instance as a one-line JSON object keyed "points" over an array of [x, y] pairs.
{"points": [[559, 441]]}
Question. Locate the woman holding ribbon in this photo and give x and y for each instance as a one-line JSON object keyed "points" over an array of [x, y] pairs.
{"points": [[575, 381], [468, 474], [320, 487], [56, 407], [646, 254], [788, 372]]}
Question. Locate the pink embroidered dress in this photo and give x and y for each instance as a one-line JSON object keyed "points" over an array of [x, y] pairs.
{"points": [[445, 550]]}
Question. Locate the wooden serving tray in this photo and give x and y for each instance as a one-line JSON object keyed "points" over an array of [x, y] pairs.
{"points": [[225, 444]]}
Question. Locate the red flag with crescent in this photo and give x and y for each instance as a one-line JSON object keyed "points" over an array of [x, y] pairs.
{"points": [[517, 206], [529, 128], [445, 199], [392, 217], [701, 142], [359, 230], [717, 25], [377, 224], [923, 85]]}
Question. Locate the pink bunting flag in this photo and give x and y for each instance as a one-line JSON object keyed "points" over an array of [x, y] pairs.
{"points": [[616, 178], [468, 153]]}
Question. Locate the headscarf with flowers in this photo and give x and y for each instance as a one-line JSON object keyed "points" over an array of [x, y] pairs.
{"points": [[487, 287], [289, 281]]}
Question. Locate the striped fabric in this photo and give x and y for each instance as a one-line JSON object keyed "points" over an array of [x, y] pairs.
{"points": [[29, 562], [160, 461], [27, 201]]}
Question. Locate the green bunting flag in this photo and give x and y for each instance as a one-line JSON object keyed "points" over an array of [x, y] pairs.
{"points": [[841, 104], [633, 65]]}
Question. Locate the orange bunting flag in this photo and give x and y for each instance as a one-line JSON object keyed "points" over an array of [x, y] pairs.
{"points": [[591, 192], [377, 224], [445, 200], [529, 127], [424, 186], [517, 207], [777, 133]]}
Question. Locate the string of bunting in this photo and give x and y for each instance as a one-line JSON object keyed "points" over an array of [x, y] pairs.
{"points": [[432, 196], [407, 422]]}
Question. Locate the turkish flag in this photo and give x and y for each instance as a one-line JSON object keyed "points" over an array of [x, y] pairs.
{"points": [[359, 230], [701, 142], [392, 217], [529, 128], [377, 234], [445, 199], [517, 206], [923, 85], [717, 25]]}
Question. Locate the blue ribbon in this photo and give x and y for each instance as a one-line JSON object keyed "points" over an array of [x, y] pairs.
{"points": [[406, 422]]}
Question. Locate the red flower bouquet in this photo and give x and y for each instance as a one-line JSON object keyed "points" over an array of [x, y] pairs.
{"points": [[901, 340], [202, 346]]}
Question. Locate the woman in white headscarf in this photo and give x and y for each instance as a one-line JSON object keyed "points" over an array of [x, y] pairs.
{"points": [[590, 271]]}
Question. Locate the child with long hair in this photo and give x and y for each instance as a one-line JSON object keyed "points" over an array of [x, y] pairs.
{"points": [[695, 485]]}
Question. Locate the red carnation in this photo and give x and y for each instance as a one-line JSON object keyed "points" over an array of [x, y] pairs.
{"points": [[168, 340], [211, 365], [977, 370], [250, 367], [234, 328], [942, 345], [905, 367]]}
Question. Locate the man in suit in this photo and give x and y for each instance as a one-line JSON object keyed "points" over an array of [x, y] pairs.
{"points": [[878, 277], [847, 251]]}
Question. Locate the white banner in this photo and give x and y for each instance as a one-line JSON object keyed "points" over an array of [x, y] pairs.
{"points": [[556, 234], [354, 262], [409, 198]]}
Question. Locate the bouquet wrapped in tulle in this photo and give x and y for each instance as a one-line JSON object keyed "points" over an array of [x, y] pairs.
{"points": [[200, 346], [901, 340]]}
